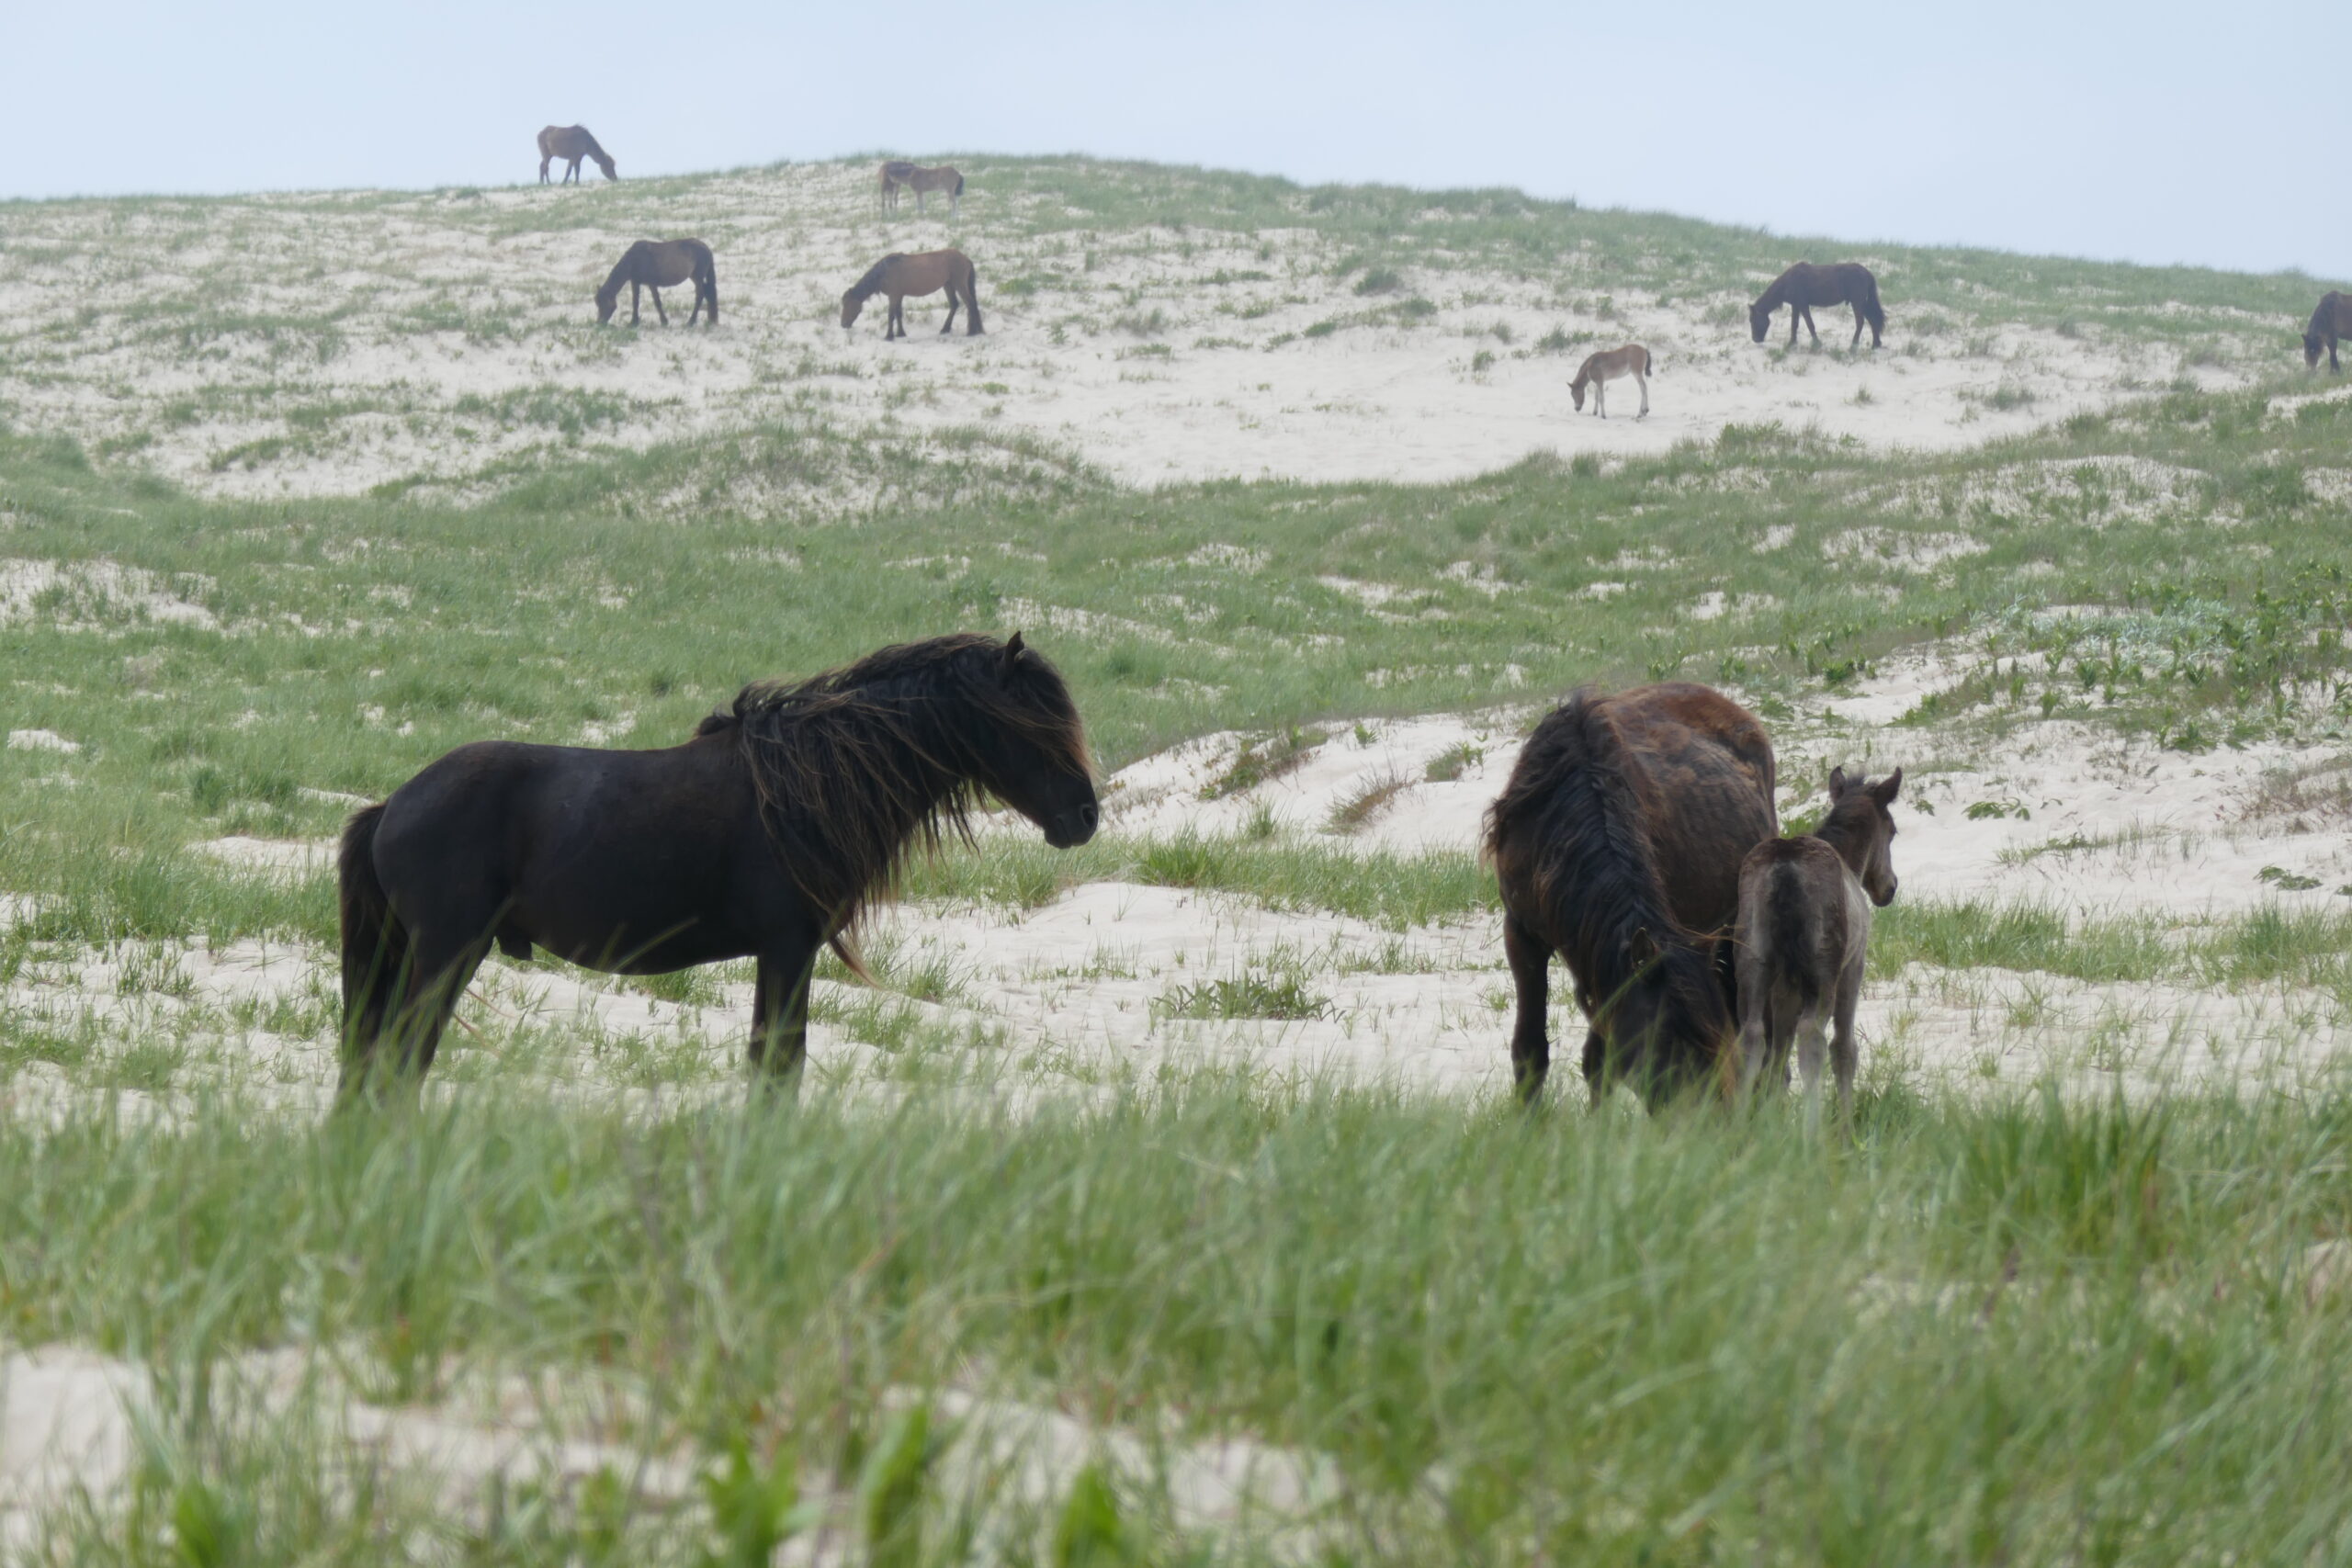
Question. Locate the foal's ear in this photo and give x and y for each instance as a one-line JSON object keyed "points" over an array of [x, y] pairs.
{"points": [[1837, 785], [1013, 648], [1883, 791], [1642, 947]]}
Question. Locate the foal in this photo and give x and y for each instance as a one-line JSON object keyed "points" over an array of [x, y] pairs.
{"points": [[1602, 368], [1805, 929]]}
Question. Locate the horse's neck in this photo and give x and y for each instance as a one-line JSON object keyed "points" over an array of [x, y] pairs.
{"points": [[1852, 849]]}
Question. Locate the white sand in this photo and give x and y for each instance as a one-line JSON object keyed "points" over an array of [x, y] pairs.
{"points": [[440, 310]]}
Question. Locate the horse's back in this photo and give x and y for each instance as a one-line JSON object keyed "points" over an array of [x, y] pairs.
{"points": [[1703, 769]]}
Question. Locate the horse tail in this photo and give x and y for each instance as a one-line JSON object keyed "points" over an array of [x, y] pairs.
{"points": [[707, 278], [375, 944], [971, 292], [854, 960], [959, 184], [1795, 940], [1877, 311]]}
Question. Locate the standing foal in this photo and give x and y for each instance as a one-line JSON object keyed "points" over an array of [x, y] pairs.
{"points": [[1805, 930], [1602, 368]]}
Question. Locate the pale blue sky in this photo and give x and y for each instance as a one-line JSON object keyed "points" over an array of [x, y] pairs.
{"points": [[2157, 132]]}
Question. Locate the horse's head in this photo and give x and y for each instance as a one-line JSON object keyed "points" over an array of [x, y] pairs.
{"points": [[609, 299], [1671, 1021], [605, 162], [2311, 351], [1030, 745], [1861, 824], [852, 303], [1759, 320], [1575, 391]]}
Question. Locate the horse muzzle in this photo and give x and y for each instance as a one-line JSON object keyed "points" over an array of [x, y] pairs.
{"points": [[1072, 828]]}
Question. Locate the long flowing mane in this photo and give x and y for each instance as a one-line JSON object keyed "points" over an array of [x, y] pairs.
{"points": [[865, 287], [1571, 815], [860, 765]]}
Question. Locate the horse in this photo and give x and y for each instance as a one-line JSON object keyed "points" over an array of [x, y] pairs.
{"points": [[2331, 323], [657, 265], [1606, 366], [1803, 933], [1804, 286], [1616, 843], [895, 173], [765, 836], [940, 178], [926, 272], [572, 142]]}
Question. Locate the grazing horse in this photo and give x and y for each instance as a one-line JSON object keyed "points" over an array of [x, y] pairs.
{"points": [[1606, 366], [762, 837], [572, 143], [895, 173], [1804, 286], [926, 272], [1617, 843], [657, 265], [2330, 324], [1804, 932]]}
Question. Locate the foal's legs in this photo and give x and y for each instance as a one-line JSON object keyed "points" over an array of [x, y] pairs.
{"points": [[1843, 1054], [1811, 1045], [1531, 1046]]}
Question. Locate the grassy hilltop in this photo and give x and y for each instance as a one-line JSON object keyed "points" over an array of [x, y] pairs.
{"points": [[296, 493]]}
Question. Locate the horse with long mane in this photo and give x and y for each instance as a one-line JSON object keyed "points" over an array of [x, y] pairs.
{"points": [[1805, 935], [926, 272], [1617, 843], [657, 265], [1804, 286], [896, 172], [764, 837], [2331, 323], [572, 143]]}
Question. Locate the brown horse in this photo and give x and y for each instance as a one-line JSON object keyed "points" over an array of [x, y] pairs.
{"points": [[942, 178], [763, 837], [2330, 324], [1606, 366], [657, 265], [572, 142], [1617, 843], [1804, 286], [1805, 932], [927, 272], [895, 173]]}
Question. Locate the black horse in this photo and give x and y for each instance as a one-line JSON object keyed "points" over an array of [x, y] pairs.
{"points": [[1804, 286], [762, 837]]}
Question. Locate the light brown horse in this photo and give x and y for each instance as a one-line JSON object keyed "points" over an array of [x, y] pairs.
{"points": [[927, 272], [1804, 286], [657, 265], [1617, 843], [572, 142], [2330, 324], [1606, 366], [1805, 932], [895, 173], [942, 178]]}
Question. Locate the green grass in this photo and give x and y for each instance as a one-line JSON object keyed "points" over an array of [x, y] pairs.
{"points": [[2007, 1331]]}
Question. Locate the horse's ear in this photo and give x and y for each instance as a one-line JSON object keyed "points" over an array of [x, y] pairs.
{"points": [[1013, 648], [1883, 791], [1642, 947], [1837, 785]]}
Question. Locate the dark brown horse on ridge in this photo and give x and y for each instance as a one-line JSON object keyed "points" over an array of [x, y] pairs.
{"points": [[926, 272], [572, 143], [2331, 323], [895, 173], [762, 837], [1617, 843], [657, 265], [1804, 286]]}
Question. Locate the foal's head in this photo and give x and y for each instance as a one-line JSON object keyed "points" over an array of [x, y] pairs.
{"points": [[2311, 351], [1862, 829], [1759, 320]]}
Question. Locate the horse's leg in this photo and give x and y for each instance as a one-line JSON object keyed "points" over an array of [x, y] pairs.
{"points": [[543, 168], [1811, 330], [1811, 1045], [1531, 972], [1844, 1056], [1857, 342], [1643, 382], [954, 300], [658, 313], [1600, 398], [438, 971], [632, 301], [780, 1013]]}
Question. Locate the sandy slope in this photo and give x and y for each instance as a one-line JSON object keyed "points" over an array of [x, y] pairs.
{"points": [[310, 344]]}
